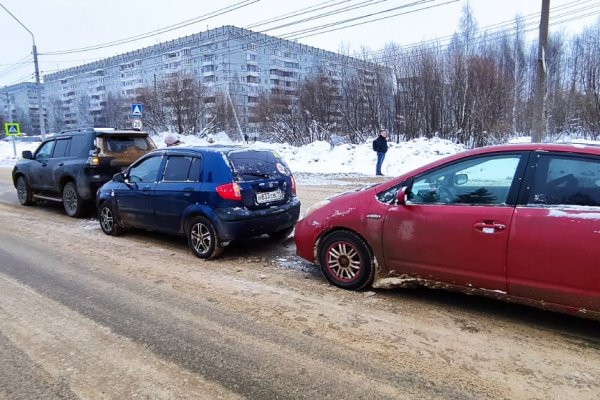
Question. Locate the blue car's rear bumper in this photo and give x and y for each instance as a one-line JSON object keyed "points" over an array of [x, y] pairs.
{"points": [[238, 222]]}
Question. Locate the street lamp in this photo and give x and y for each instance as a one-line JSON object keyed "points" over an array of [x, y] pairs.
{"points": [[37, 75]]}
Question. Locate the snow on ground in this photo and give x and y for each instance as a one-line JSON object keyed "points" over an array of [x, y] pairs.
{"points": [[319, 163], [313, 161]]}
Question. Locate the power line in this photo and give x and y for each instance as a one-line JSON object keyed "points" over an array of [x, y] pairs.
{"points": [[505, 25], [170, 28], [366, 3], [311, 9], [21, 79], [218, 13], [321, 29], [529, 24], [303, 33], [238, 48], [302, 11], [17, 66], [27, 59], [28, 56]]}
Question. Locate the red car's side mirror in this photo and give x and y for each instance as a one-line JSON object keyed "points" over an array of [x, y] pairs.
{"points": [[401, 196]]}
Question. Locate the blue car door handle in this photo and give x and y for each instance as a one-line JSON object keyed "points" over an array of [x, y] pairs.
{"points": [[146, 188], [187, 192]]}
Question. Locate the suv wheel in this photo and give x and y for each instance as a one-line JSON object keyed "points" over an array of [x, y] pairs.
{"points": [[72, 202], [108, 221], [24, 192], [202, 238]]}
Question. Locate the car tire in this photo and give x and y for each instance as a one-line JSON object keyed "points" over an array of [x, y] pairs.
{"points": [[346, 260], [202, 238], [282, 234], [72, 202], [108, 220], [24, 192]]}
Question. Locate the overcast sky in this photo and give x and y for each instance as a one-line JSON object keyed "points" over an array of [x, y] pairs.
{"points": [[60, 25]]}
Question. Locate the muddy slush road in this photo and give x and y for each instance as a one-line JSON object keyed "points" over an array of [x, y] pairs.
{"points": [[88, 316]]}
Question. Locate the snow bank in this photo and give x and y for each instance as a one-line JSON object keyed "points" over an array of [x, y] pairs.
{"points": [[315, 158]]}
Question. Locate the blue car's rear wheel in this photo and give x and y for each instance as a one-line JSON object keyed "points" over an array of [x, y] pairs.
{"points": [[346, 261], [202, 238]]}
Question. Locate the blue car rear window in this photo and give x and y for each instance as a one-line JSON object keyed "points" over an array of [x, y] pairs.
{"points": [[253, 164]]}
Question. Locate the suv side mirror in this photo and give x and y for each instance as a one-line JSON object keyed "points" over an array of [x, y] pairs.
{"points": [[27, 154], [401, 196]]}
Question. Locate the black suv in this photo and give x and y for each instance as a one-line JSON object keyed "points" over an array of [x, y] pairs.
{"points": [[70, 166]]}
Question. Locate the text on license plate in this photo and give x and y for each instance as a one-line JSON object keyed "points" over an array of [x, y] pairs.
{"points": [[265, 197]]}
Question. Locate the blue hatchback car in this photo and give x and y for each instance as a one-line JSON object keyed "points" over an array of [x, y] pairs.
{"points": [[212, 195]]}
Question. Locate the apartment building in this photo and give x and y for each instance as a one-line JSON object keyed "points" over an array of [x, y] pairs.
{"points": [[228, 60], [19, 103]]}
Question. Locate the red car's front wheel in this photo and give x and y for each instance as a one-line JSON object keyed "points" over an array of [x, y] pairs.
{"points": [[346, 260]]}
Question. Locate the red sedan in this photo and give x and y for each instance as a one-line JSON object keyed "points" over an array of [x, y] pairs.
{"points": [[515, 222]]}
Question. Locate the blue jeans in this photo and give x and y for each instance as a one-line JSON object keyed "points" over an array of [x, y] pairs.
{"points": [[380, 157]]}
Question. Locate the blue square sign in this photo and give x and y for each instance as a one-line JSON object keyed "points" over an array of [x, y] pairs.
{"points": [[136, 110]]}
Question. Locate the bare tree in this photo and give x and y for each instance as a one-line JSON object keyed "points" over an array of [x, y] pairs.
{"points": [[177, 104], [280, 117], [24, 120], [155, 113], [319, 102], [183, 100], [83, 112], [56, 121], [115, 110]]}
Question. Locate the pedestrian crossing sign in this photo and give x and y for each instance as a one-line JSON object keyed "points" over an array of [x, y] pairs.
{"points": [[136, 110], [12, 129]]}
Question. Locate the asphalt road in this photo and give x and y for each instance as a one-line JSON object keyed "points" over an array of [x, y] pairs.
{"points": [[8, 194], [239, 353]]}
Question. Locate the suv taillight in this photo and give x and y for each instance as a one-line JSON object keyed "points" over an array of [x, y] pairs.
{"points": [[229, 191], [94, 161]]}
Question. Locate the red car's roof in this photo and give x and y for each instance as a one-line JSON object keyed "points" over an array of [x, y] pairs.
{"points": [[571, 147]]}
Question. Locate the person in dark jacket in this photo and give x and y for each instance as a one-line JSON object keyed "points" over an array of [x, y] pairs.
{"points": [[380, 146]]}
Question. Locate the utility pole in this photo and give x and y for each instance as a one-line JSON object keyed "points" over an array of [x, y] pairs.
{"points": [[37, 76], [540, 77], [8, 111]]}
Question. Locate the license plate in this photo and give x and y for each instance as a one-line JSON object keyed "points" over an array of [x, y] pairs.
{"points": [[266, 197]]}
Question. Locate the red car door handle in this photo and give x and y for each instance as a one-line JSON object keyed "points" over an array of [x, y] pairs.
{"points": [[490, 226]]}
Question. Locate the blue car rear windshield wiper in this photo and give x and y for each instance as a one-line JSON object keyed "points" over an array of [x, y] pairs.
{"points": [[258, 174]]}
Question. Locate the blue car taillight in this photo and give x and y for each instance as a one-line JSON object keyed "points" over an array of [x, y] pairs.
{"points": [[230, 191]]}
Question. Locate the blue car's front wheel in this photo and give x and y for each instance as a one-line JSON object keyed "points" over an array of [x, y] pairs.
{"points": [[108, 221]]}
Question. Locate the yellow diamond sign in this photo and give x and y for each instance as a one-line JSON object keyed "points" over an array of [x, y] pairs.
{"points": [[12, 129]]}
